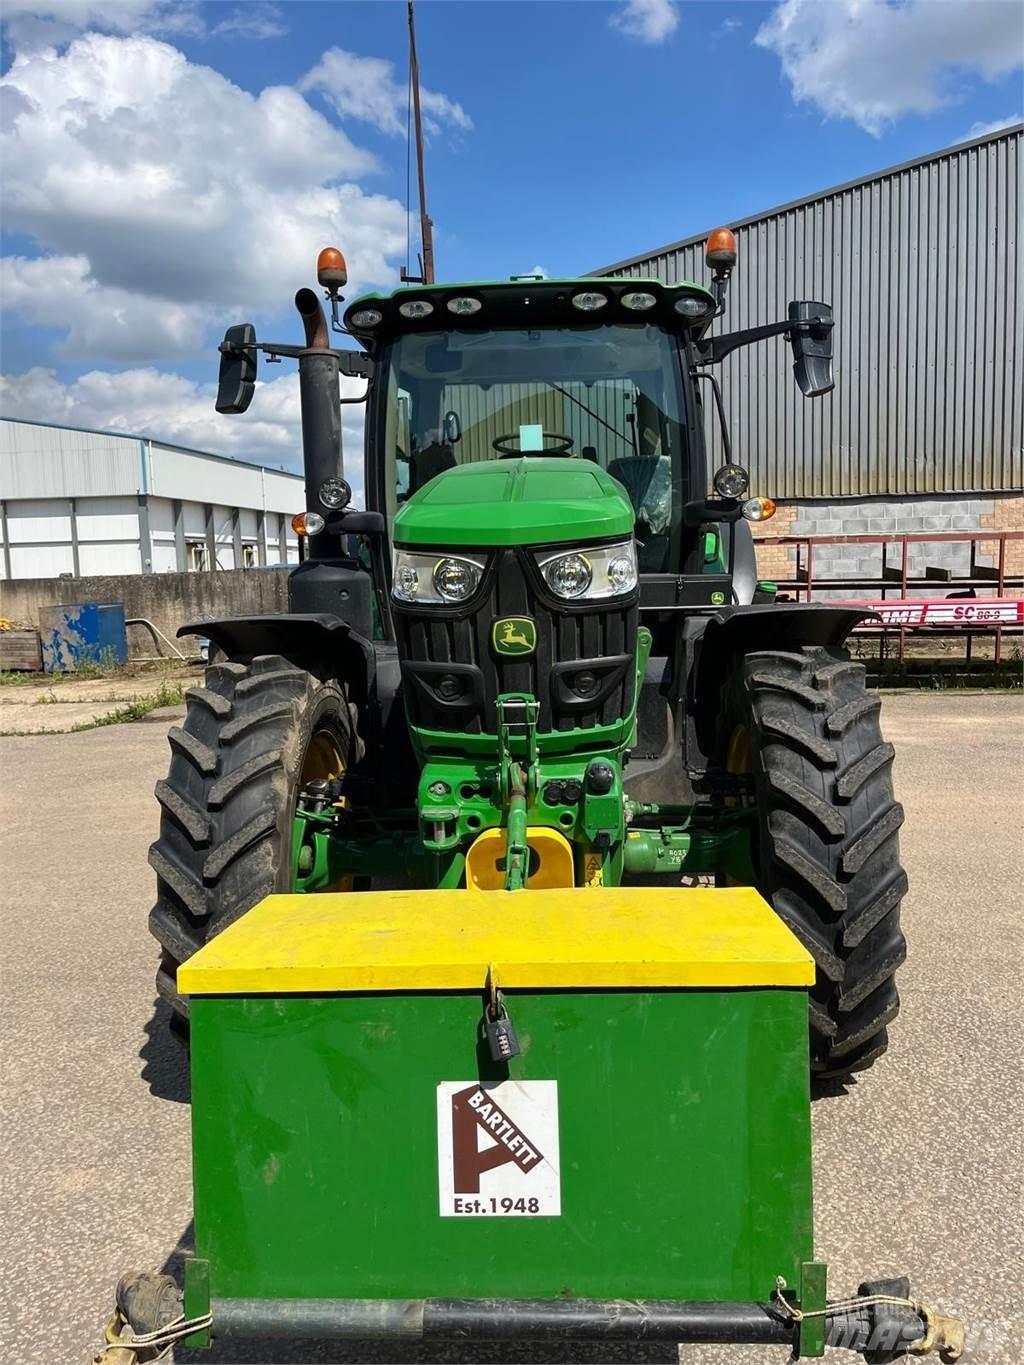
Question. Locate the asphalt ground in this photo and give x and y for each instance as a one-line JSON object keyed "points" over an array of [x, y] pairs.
{"points": [[918, 1164]]}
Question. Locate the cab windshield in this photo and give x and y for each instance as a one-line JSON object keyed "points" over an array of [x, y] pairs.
{"points": [[611, 394]]}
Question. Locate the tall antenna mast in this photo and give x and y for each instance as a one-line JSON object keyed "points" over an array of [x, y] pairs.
{"points": [[426, 226]]}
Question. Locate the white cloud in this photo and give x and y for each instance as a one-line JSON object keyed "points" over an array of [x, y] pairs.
{"points": [[171, 194], [983, 129], [33, 24], [255, 21], [648, 21], [169, 407], [367, 88], [872, 61], [98, 320], [538, 270]]}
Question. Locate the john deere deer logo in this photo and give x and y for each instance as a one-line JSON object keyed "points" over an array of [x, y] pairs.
{"points": [[514, 635]]}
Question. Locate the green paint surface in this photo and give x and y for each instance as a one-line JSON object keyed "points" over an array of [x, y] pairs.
{"points": [[532, 500], [684, 1134]]}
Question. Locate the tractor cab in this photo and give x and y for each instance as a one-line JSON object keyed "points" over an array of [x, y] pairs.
{"points": [[540, 369]]}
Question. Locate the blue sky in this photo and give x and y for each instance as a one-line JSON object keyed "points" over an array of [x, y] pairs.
{"points": [[171, 167]]}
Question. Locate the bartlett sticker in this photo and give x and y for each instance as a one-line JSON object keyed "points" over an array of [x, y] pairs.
{"points": [[497, 1149]]}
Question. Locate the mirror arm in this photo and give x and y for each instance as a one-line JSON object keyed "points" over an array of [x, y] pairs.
{"points": [[712, 350], [353, 364], [720, 406], [703, 510]]}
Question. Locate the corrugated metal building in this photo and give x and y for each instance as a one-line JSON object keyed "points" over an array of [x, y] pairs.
{"points": [[82, 502], [922, 265]]}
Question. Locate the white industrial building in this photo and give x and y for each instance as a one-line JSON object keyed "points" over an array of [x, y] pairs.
{"points": [[81, 502]]}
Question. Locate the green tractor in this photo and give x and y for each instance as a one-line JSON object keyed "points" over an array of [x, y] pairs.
{"points": [[541, 657], [495, 877]]}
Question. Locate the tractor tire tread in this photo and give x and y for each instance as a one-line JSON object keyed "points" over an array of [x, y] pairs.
{"points": [[828, 848], [225, 787], [810, 744], [799, 794], [188, 815], [213, 701], [870, 837], [264, 682], [236, 729], [850, 781], [225, 805], [200, 755], [817, 877], [182, 883], [840, 721], [800, 691]]}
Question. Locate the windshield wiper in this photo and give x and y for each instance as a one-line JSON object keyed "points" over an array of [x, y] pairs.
{"points": [[596, 416]]}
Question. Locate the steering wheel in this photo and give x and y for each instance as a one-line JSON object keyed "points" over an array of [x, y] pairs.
{"points": [[563, 445]]}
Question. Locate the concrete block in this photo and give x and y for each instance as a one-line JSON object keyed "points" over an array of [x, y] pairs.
{"points": [[828, 528], [801, 528], [964, 523], [855, 526], [881, 524]]}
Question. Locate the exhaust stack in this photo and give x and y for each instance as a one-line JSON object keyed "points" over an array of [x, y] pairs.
{"points": [[320, 398]]}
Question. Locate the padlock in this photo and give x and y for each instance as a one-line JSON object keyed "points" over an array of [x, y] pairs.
{"points": [[501, 1034]]}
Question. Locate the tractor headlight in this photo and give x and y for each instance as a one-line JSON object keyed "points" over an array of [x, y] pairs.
{"points": [[426, 579], [731, 481], [591, 574], [638, 300], [569, 575], [334, 493], [455, 579], [416, 308]]}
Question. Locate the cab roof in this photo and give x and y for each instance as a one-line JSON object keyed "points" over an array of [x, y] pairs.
{"points": [[528, 300]]}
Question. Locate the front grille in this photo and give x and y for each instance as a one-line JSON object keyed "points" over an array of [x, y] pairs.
{"points": [[437, 646]]}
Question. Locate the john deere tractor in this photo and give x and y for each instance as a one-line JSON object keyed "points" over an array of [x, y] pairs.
{"points": [[541, 656], [499, 878]]}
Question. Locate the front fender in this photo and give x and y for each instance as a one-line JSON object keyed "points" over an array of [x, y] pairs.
{"points": [[735, 631], [323, 644]]}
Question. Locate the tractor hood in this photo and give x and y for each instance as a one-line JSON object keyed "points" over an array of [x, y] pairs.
{"points": [[532, 500]]}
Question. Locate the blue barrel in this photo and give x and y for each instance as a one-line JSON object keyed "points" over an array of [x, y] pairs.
{"points": [[73, 634]]}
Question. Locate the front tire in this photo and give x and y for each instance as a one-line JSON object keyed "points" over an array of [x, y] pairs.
{"points": [[253, 734], [826, 848]]}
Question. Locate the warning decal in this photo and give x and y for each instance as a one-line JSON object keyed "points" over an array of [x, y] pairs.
{"points": [[497, 1149]]}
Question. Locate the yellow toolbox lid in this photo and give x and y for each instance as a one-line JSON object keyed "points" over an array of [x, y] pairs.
{"points": [[585, 937]]}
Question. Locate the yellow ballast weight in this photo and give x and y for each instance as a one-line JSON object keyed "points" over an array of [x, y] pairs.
{"points": [[550, 860], [585, 937]]}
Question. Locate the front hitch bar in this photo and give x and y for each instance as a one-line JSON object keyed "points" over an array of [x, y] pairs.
{"points": [[881, 1327]]}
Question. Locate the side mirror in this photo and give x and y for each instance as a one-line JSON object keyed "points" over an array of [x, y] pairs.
{"points": [[811, 340], [452, 428], [236, 382]]}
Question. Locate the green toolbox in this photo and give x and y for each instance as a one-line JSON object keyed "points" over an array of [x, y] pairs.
{"points": [[354, 1139]]}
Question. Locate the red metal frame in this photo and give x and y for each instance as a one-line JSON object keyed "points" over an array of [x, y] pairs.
{"points": [[804, 582]]}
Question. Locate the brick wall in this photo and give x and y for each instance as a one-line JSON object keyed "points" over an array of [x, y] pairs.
{"points": [[941, 512]]}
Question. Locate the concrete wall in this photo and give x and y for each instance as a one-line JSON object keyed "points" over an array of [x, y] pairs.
{"points": [[870, 516], [169, 600]]}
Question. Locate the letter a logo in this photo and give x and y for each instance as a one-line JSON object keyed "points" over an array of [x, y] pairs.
{"points": [[497, 1148]]}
